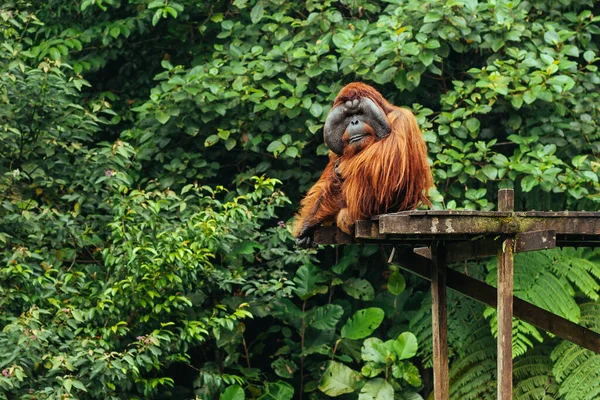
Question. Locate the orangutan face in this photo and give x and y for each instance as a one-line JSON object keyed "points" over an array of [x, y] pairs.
{"points": [[352, 122]]}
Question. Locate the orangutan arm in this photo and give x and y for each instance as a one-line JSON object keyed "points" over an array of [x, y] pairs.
{"points": [[322, 201]]}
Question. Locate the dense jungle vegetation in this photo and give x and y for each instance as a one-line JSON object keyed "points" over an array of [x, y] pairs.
{"points": [[153, 152]]}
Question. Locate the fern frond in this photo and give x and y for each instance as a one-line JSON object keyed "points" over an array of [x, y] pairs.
{"points": [[473, 375], [579, 266], [577, 370], [461, 312], [536, 281], [522, 332], [532, 376]]}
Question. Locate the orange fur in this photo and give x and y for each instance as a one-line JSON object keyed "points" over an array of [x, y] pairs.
{"points": [[379, 175]]}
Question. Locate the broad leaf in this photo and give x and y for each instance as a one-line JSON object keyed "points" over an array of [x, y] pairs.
{"points": [[374, 349], [406, 345], [307, 281], [324, 317], [234, 392], [396, 284], [376, 389], [362, 323], [359, 289], [284, 368], [339, 379]]}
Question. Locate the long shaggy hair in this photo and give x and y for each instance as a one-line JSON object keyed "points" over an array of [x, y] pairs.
{"points": [[376, 176]]}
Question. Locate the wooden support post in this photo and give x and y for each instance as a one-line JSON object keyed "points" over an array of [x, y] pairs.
{"points": [[505, 303], [505, 315], [439, 323]]}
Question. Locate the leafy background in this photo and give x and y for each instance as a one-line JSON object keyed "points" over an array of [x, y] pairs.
{"points": [[152, 154]]}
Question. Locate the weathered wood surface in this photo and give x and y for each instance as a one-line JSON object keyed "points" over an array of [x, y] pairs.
{"points": [[505, 314], [487, 294], [456, 224], [331, 235], [488, 246], [506, 200], [439, 323], [506, 266]]}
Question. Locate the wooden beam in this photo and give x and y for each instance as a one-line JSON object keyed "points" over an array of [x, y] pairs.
{"points": [[505, 315], [436, 225], [485, 247], [486, 294], [439, 323], [331, 235]]}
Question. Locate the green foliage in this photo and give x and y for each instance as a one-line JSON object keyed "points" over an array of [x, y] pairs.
{"points": [[577, 370], [533, 378], [145, 149], [471, 347], [362, 323]]}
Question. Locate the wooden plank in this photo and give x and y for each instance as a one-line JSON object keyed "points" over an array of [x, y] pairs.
{"points": [[505, 315], [487, 294], [366, 229], [478, 213], [439, 325], [506, 200], [433, 226], [535, 240], [331, 235], [486, 247], [445, 213]]}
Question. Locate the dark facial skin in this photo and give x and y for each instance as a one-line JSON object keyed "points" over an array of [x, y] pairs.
{"points": [[357, 118]]}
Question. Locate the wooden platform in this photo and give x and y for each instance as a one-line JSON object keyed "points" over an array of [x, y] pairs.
{"points": [[432, 239]]}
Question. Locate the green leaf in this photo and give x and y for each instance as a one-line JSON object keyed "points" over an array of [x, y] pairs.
{"points": [[528, 183], [291, 152], [359, 289], [307, 281], [156, 17], [162, 116], [277, 391], [516, 101], [272, 104], [432, 16], [284, 368], [410, 48], [324, 317], [551, 37], [276, 147], [529, 97], [473, 124], [339, 379], [490, 171], [374, 350], [211, 140], [234, 392], [114, 31], [291, 102], [257, 12], [156, 4], [376, 389], [362, 323], [589, 56], [396, 283], [316, 110], [230, 143], [411, 374], [406, 345], [78, 385], [426, 57]]}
